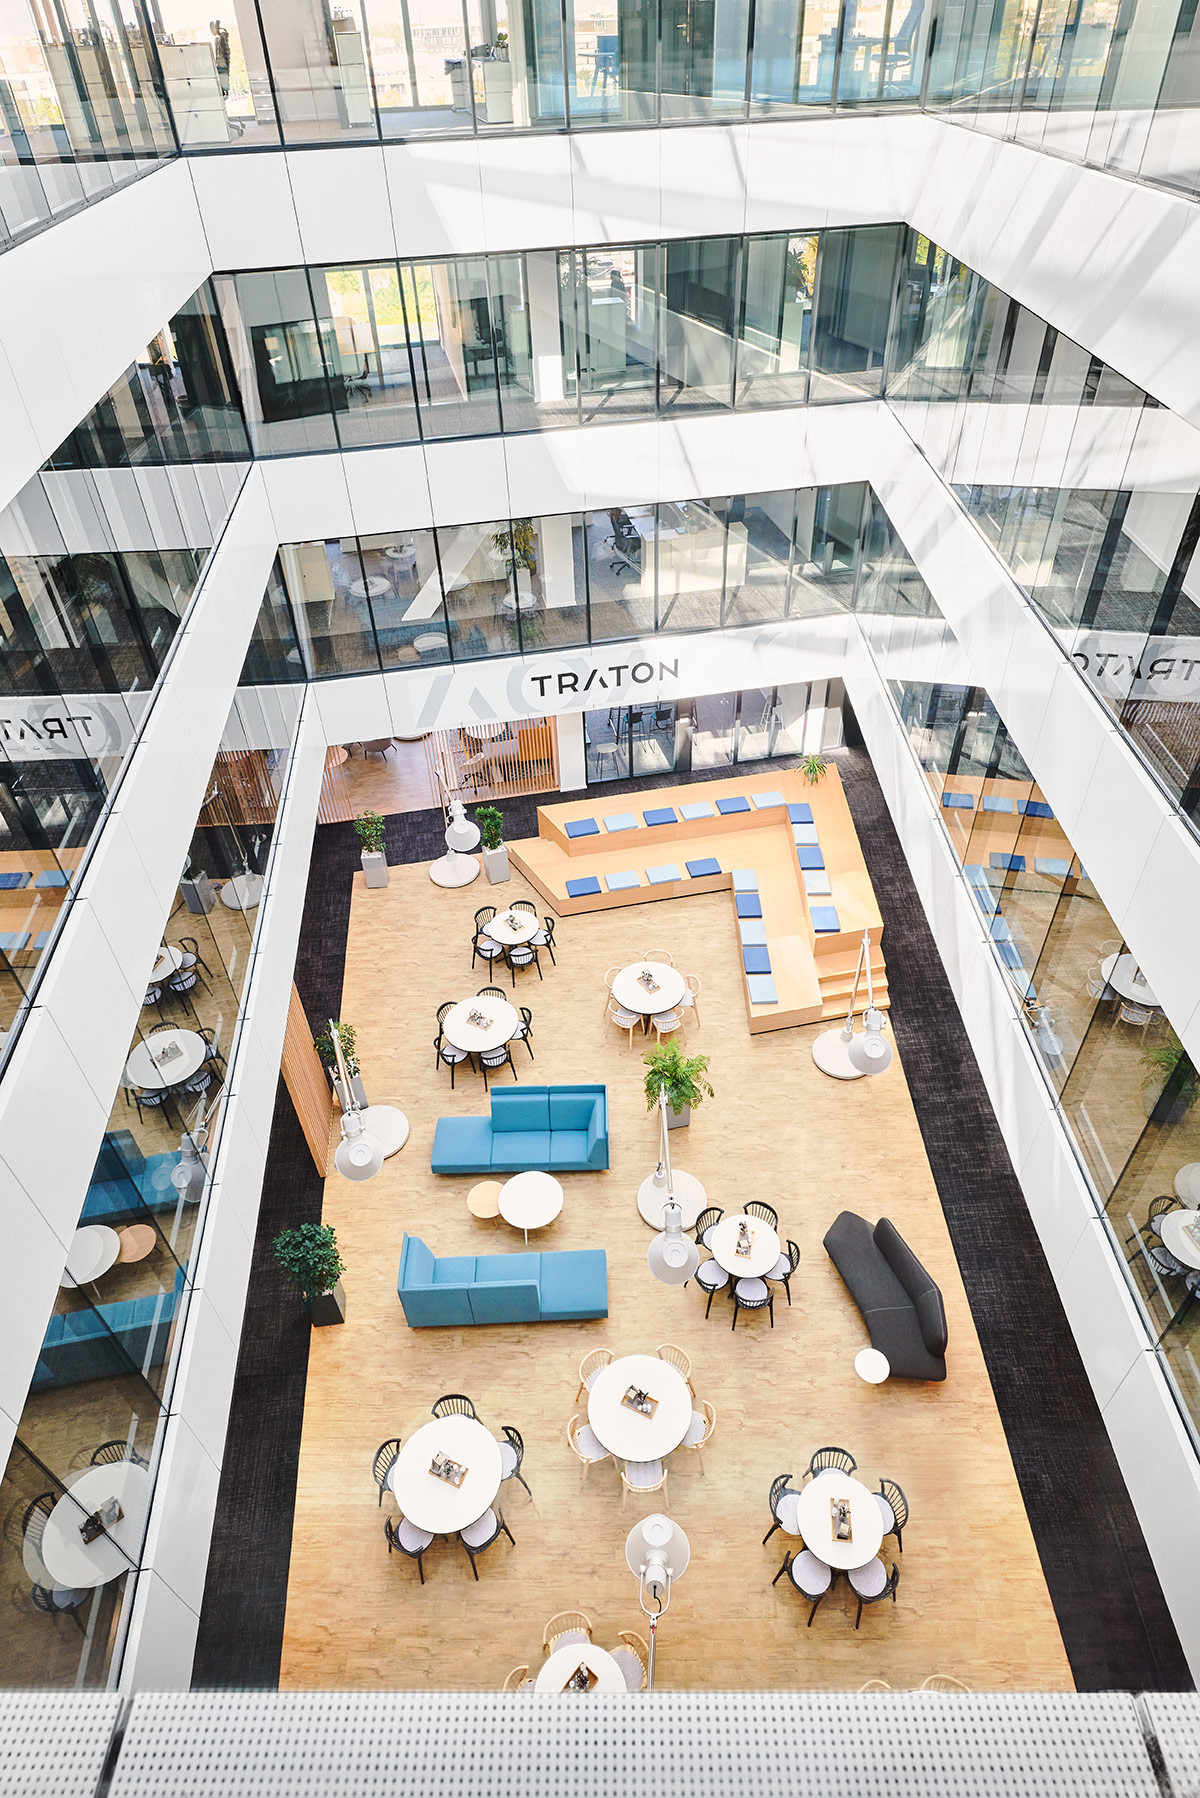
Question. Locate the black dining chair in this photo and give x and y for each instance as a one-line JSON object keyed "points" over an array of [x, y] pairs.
{"points": [[831, 1460], [524, 1030], [1150, 1232], [760, 1209], [512, 1454], [62, 1602], [809, 1575], [704, 1223], [544, 938], [445, 1053], [784, 1500], [522, 955], [493, 1059], [485, 948], [752, 1294], [453, 1404], [118, 1450], [784, 1268], [893, 1509], [872, 1584], [191, 954], [153, 1098], [407, 1539], [385, 1460], [480, 1535], [492, 992]]}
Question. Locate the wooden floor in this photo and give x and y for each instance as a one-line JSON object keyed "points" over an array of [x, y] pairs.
{"points": [[971, 1600]]}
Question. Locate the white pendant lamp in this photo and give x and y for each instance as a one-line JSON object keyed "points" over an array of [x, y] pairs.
{"points": [[359, 1156], [657, 1553]]}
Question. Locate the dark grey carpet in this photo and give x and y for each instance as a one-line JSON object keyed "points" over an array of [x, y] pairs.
{"points": [[1110, 1608]]}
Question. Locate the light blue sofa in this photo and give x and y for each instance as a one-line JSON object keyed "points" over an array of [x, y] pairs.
{"points": [[122, 1184], [557, 1287], [553, 1128], [109, 1341]]}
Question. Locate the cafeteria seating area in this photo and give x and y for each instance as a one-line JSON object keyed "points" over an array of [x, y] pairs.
{"points": [[474, 1449]]}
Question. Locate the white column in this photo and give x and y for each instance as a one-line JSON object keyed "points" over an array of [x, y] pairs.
{"points": [[572, 752], [557, 562], [546, 344]]}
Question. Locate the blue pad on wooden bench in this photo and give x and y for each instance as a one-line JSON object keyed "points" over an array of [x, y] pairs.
{"points": [[763, 800], [583, 889], [761, 988], [11, 883], [700, 809], [737, 804], [41, 939], [816, 881], [621, 821], [996, 802], [958, 802], [583, 827], [799, 813], [50, 879], [804, 833], [1053, 865], [745, 880], [13, 940], [998, 930], [752, 930], [824, 918], [809, 856], [661, 814], [1010, 955], [756, 960], [1011, 864], [1037, 808], [620, 883], [749, 905], [708, 864], [659, 877]]}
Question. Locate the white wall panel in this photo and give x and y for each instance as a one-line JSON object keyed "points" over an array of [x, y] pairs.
{"points": [[165, 1631], [341, 220], [246, 204], [436, 197], [527, 194]]}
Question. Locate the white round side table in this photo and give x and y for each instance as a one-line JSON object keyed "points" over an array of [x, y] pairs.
{"points": [[872, 1366], [530, 1201], [388, 1125], [690, 1196]]}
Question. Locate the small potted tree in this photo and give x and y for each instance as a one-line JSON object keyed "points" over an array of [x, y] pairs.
{"points": [[369, 826], [681, 1077], [813, 768], [520, 554], [1171, 1084], [323, 1044], [491, 832], [310, 1260]]}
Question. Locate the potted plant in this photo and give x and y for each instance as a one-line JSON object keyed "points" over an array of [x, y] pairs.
{"points": [[518, 546], [681, 1077], [323, 1044], [812, 768], [310, 1260], [491, 833], [369, 828], [1172, 1084]]}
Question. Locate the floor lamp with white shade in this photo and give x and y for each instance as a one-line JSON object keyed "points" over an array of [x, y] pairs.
{"points": [[844, 1055], [672, 1257]]}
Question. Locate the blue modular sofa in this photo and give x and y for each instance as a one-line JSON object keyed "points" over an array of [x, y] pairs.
{"points": [[87, 1344], [122, 1184], [557, 1287], [554, 1128]]}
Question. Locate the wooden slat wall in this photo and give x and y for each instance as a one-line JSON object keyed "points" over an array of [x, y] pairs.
{"points": [[471, 765], [246, 791], [305, 1080], [335, 806]]}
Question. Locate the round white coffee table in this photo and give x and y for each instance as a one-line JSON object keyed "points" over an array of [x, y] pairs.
{"points": [[690, 1196], [1173, 1228], [814, 1520], [70, 1560], [1122, 973], [627, 988], [388, 1125], [764, 1246], [627, 1434], [513, 927], [564, 1662], [503, 1019], [530, 1201], [1187, 1183], [143, 1070], [170, 960], [432, 1503], [243, 892], [374, 587], [872, 1366], [94, 1249], [427, 644]]}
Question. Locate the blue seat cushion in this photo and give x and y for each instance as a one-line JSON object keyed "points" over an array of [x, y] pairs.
{"points": [[809, 856], [1037, 808], [663, 874], [1012, 864], [520, 1111], [597, 1139], [462, 1145], [621, 883], [752, 931], [583, 827], [489, 1268], [749, 905], [996, 802], [521, 1149], [11, 883], [583, 889], [1009, 954], [573, 1283], [621, 821], [958, 802], [416, 1264], [505, 1301], [999, 931], [804, 833], [661, 814], [985, 898], [569, 1148], [707, 864], [736, 804], [571, 1111], [763, 800], [825, 919], [13, 940], [41, 939], [50, 879], [454, 1270], [816, 882], [745, 880], [976, 874], [1052, 865], [762, 990], [756, 960], [800, 814], [701, 809]]}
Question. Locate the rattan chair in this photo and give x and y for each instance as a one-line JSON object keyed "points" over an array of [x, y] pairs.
{"points": [[893, 1508], [666, 1023], [633, 1659], [407, 1539], [385, 1460], [517, 1681], [512, 1453], [809, 1576], [688, 1004], [659, 955], [585, 1444], [785, 1507], [943, 1682], [784, 1268], [480, 1535], [700, 1429], [872, 1584], [624, 1020], [566, 1628], [592, 1364], [675, 1357], [752, 1294], [641, 1478], [453, 1404], [831, 1460]]}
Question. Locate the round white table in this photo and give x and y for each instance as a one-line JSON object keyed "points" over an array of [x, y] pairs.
{"points": [[530, 1201], [1172, 1227], [1122, 973], [524, 602], [690, 1196], [94, 1249], [565, 1661], [170, 960], [1187, 1183], [243, 892], [462, 1034], [434, 1504], [872, 1366], [626, 1433], [764, 1246], [142, 1070], [388, 1125], [69, 1560], [513, 927], [627, 988], [374, 587], [428, 644], [814, 1520]]}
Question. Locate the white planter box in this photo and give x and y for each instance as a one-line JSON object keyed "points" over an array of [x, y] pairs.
{"points": [[375, 868], [495, 864]]}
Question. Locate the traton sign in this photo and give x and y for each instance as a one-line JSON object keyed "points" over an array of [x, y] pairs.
{"points": [[553, 686]]}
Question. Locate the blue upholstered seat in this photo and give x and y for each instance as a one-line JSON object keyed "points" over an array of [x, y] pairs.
{"points": [[824, 918], [752, 931], [660, 814], [996, 802], [621, 821], [699, 870], [523, 1129], [749, 905], [700, 809], [762, 990], [12, 883], [816, 882], [1037, 808], [583, 827], [557, 1286], [809, 857], [799, 813], [804, 833], [958, 802], [756, 960], [1053, 865], [663, 874], [583, 888], [620, 883], [999, 931], [745, 880], [1011, 864], [762, 801], [12, 941], [734, 804], [51, 878], [1009, 954], [41, 939]]}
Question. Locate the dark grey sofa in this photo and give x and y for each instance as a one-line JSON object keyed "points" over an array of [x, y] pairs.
{"points": [[901, 1305]]}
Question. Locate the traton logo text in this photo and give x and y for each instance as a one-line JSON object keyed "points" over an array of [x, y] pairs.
{"points": [[556, 685]]}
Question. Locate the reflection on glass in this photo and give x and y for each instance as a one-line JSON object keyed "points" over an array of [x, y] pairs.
{"points": [[362, 321], [614, 322], [215, 74], [776, 320], [697, 310], [458, 349], [276, 348], [331, 595], [487, 579], [855, 280]]}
